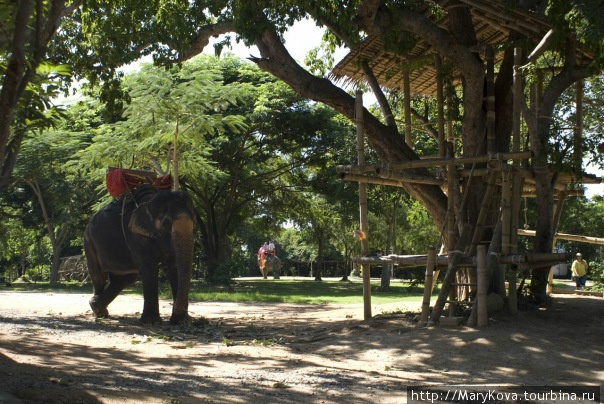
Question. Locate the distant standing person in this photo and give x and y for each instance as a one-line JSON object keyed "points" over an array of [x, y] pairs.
{"points": [[579, 269]]}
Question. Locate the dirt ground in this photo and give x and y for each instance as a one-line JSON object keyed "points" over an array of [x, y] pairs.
{"points": [[53, 351]]}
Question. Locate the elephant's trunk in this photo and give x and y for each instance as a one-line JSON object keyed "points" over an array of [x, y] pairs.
{"points": [[182, 239]]}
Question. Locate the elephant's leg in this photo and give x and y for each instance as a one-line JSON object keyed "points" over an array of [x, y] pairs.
{"points": [[117, 283], [98, 278], [173, 276], [150, 278]]}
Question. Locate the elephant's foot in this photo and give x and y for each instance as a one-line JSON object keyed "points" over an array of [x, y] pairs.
{"points": [[277, 277], [150, 318], [182, 318], [99, 310]]}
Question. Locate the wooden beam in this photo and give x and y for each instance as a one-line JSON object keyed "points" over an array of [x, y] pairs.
{"points": [[409, 177], [470, 261], [439, 162], [368, 179], [565, 236]]}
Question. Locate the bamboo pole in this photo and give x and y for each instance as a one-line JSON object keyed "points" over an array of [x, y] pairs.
{"points": [[506, 216], [444, 260], [363, 219], [451, 184], [450, 134], [397, 175], [490, 56], [440, 105], [430, 263], [366, 179], [355, 169], [440, 162], [516, 184], [407, 106], [433, 162], [517, 101], [495, 272], [481, 297], [396, 181], [578, 132], [565, 236], [451, 230]]}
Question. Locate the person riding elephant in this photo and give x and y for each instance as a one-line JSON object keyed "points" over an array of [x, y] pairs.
{"points": [[130, 237]]}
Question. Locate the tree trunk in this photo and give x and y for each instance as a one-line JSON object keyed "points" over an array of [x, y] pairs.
{"points": [[55, 264], [21, 69], [215, 243], [319, 259], [539, 138]]}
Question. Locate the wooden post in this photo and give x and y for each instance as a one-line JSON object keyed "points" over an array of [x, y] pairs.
{"points": [[506, 217], [450, 134], [431, 261], [440, 105], [517, 101], [407, 107], [364, 223], [481, 297], [451, 230], [517, 180], [578, 132], [490, 55]]}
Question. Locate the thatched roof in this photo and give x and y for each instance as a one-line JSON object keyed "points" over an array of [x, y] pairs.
{"points": [[493, 23]]}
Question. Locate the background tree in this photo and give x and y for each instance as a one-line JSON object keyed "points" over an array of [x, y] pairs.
{"points": [[28, 27], [61, 195], [16, 245]]}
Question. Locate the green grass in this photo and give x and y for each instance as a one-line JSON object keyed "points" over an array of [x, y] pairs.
{"points": [[267, 290], [304, 291], [64, 287]]}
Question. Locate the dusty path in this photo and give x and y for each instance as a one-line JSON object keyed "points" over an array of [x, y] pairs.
{"points": [[53, 351]]}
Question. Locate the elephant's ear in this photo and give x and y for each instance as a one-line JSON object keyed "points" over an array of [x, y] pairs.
{"points": [[142, 222]]}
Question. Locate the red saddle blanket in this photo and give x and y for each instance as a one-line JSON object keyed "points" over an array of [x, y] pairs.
{"points": [[120, 180]]}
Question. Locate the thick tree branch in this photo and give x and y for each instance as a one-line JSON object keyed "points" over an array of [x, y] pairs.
{"points": [[203, 38], [388, 143]]}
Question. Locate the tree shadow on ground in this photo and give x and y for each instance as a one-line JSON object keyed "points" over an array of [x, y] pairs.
{"points": [[296, 353]]}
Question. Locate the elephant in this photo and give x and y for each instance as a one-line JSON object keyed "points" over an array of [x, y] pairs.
{"points": [[272, 264], [130, 237]]}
